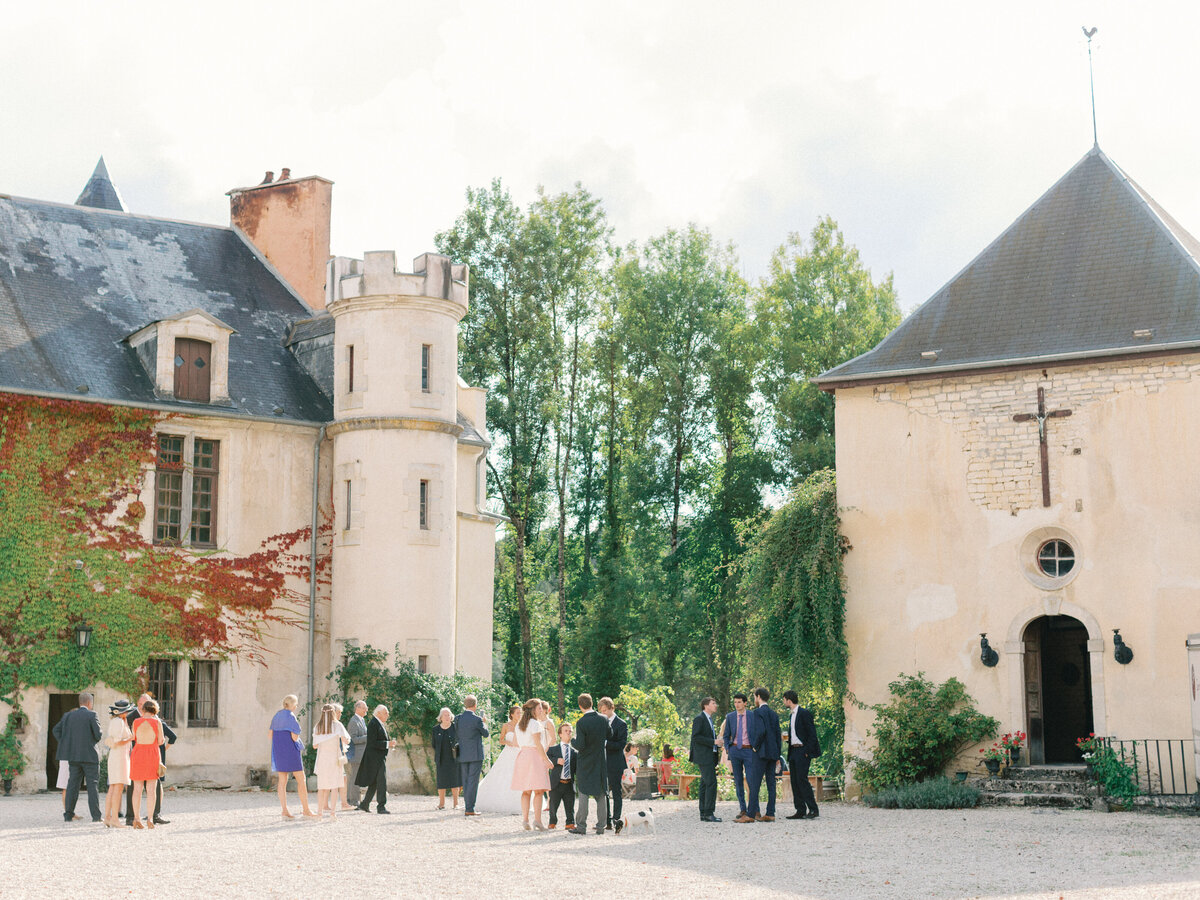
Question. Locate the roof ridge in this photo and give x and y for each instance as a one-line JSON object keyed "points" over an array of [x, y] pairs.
{"points": [[112, 212]]}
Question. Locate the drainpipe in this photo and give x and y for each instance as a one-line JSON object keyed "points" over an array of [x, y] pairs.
{"points": [[312, 576]]}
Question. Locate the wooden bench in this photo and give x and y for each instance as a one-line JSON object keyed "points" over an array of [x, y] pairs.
{"points": [[685, 784]]}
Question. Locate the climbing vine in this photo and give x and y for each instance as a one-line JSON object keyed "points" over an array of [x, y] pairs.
{"points": [[71, 551]]}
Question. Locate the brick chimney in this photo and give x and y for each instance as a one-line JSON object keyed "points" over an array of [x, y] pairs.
{"points": [[288, 221]]}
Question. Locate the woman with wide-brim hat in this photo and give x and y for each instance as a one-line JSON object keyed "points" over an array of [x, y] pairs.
{"points": [[118, 738]]}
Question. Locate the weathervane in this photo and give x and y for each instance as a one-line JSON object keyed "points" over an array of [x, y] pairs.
{"points": [[1088, 33]]}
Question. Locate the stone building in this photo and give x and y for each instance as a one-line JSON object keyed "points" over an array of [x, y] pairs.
{"points": [[299, 388], [1017, 460]]}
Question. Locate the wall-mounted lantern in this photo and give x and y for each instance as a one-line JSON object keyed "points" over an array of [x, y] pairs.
{"points": [[987, 655], [83, 636], [1121, 651]]}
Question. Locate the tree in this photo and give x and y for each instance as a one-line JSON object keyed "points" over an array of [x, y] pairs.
{"points": [[824, 309]]}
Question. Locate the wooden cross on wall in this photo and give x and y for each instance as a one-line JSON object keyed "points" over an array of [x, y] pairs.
{"points": [[1040, 417]]}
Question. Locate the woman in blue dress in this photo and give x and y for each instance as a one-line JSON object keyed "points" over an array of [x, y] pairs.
{"points": [[287, 753]]}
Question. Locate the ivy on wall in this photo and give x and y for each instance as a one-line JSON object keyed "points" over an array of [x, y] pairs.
{"points": [[71, 551]]}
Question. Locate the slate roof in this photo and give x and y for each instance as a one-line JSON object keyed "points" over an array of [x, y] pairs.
{"points": [[76, 280], [1093, 261]]}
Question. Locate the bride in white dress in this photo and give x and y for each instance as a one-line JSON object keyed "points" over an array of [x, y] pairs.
{"points": [[495, 794]]}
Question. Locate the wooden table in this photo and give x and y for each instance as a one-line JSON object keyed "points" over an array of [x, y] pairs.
{"points": [[685, 784]]}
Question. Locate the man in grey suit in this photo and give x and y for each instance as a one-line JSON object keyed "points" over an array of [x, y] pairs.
{"points": [[471, 732], [358, 743], [78, 733]]}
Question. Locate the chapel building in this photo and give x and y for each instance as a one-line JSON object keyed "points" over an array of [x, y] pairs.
{"points": [[1017, 460], [297, 389]]}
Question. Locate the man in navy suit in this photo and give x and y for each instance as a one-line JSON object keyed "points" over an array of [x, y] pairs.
{"points": [[471, 732], [803, 748], [77, 734], [739, 748], [767, 749]]}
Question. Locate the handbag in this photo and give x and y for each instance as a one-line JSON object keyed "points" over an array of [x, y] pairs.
{"points": [[162, 770]]}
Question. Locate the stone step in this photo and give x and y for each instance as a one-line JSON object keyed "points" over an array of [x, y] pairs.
{"points": [[1048, 773], [1016, 798], [1038, 786]]}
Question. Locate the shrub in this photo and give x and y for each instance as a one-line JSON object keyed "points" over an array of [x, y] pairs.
{"points": [[937, 793], [920, 731], [1115, 776]]}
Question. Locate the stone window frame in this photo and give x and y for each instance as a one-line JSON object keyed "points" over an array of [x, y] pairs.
{"points": [[187, 474], [419, 396], [196, 667], [162, 683], [351, 348], [155, 346], [430, 535], [1028, 557], [349, 534]]}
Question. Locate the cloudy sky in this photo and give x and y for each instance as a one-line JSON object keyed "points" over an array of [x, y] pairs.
{"points": [[923, 128]]}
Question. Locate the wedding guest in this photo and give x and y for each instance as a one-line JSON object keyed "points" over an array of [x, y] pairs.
{"points": [[618, 737], [77, 734], [329, 767], [549, 732], [372, 774], [629, 775], [118, 738], [131, 717], [591, 779], [358, 743], [531, 776], [144, 761], [562, 777], [472, 729], [343, 759], [445, 736], [287, 754]]}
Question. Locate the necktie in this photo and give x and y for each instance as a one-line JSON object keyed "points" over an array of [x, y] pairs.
{"points": [[566, 768]]}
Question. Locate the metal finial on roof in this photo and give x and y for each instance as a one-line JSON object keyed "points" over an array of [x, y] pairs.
{"points": [[100, 192], [1089, 33]]}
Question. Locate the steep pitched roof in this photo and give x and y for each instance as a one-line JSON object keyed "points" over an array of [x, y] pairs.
{"points": [[100, 192], [75, 281], [1094, 268]]}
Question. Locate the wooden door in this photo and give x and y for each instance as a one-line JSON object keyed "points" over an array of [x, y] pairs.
{"points": [[193, 370], [1034, 715]]}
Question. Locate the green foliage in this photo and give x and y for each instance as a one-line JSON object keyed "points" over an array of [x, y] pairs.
{"points": [[936, 793], [920, 731], [12, 757], [824, 309], [654, 709], [413, 698], [1116, 777]]}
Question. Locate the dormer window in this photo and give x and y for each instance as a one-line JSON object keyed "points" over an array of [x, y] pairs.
{"points": [[187, 356], [193, 370]]}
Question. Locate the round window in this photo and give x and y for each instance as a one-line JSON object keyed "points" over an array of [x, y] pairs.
{"points": [[1056, 558]]}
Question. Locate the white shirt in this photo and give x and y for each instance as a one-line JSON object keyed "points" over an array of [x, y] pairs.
{"points": [[795, 741]]}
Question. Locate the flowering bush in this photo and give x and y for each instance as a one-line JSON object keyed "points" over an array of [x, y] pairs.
{"points": [[996, 752], [1014, 740]]}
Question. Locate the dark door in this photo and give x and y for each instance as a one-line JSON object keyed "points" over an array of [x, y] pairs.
{"points": [[1066, 686], [60, 705], [193, 367]]}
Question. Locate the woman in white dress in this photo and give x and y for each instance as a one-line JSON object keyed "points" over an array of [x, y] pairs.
{"points": [[330, 738], [118, 738], [495, 794], [531, 774]]}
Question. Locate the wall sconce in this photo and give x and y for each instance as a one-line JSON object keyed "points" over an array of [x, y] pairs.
{"points": [[987, 655], [1121, 651], [83, 636]]}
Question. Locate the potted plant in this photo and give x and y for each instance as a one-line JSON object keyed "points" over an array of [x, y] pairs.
{"points": [[12, 760], [994, 757], [1087, 748], [644, 739], [1012, 743]]}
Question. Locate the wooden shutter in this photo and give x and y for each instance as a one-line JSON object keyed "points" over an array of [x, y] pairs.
{"points": [[193, 370]]}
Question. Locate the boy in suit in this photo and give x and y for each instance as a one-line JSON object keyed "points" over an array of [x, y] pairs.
{"points": [[562, 777]]}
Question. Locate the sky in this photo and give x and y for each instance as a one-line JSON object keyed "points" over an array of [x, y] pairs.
{"points": [[924, 128]]}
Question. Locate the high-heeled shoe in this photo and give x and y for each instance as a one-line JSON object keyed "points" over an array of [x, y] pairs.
{"points": [[539, 826], [137, 823], [528, 827], [150, 824]]}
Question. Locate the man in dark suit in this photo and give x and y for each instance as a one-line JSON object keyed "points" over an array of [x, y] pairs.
{"points": [[77, 734], [591, 771], [803, 748], [562, 777], [739, 748], [767, 749], [704, 753], [614, 754], [372, 772], [471, 732]]}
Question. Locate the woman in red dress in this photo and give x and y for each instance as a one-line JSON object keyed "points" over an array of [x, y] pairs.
{"points": [[144, 760]]}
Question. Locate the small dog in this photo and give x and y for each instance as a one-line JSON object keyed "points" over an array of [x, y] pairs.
{"points": [[642, 819]]}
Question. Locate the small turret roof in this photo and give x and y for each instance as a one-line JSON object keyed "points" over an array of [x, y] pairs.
{"points": [[100, 192]]}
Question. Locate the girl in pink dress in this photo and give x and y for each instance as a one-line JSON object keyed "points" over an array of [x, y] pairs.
{"points": [[531, 773]]}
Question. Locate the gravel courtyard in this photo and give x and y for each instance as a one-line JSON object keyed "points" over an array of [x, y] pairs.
{"points": [[222, 844]]}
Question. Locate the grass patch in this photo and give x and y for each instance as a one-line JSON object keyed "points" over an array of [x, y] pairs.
{"points": [[936, 793]]}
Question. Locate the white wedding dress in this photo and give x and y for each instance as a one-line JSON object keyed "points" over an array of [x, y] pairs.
{"points": [[495, 793]]}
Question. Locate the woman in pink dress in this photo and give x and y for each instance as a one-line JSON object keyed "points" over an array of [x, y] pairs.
{"points": [[144, 760], [531, 773]]}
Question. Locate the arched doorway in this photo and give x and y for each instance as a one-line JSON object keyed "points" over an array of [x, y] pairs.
{"points": [[1058, 688]]}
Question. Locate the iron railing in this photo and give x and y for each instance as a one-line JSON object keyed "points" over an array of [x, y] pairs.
{"points": [[1160, 767]]}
